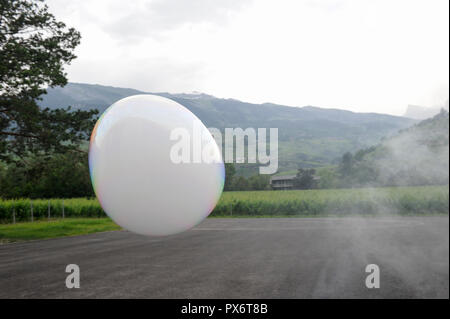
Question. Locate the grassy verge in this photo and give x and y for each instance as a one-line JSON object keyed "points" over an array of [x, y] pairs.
{"points": [[425, 200], [84, 216], [54, 228], [422, 200], [352, 215]]}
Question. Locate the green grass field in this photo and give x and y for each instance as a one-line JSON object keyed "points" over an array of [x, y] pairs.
{"points": [[54, 228], [84, 216], [423, 200]]}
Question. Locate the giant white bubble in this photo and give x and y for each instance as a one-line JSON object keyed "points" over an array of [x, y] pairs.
{"points": [[148, 166]]}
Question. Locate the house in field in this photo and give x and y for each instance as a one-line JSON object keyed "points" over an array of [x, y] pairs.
{"points": [[282, 182], [286, 182]]}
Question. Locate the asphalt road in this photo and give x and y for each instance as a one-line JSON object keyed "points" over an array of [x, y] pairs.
{"points": [[240, 258]]}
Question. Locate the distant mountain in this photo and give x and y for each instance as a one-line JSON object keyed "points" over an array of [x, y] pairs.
{"points": [[84, 96], [418, 155], [308, 136], [421, 113]]}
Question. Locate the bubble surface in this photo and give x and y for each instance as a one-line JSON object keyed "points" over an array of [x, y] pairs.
{"points": [[134, 176]]}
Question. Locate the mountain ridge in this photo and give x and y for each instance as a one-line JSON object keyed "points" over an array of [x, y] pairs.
{"points": [[418, 112], [417, 155], [309, 136], [193, 95]]}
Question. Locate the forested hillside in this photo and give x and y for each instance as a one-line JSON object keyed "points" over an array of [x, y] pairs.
{"points": [[418, 155], [308, 136]]}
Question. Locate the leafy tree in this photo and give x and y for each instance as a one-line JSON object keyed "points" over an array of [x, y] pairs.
{"points": [[328, 178], [305, 179], [259, 182], [230, 171], [346, 165], [60, 176], [241, 184], [34, 47]]}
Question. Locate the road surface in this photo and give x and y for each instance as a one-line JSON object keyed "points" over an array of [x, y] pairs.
{"points": [[240, 258]]}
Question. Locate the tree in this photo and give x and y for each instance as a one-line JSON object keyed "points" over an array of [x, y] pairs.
{"points": [[305, 179], [34, 47], [60, 176], [230, 171], [259, 182], [240, 184], [346, 164], [328, 178]]}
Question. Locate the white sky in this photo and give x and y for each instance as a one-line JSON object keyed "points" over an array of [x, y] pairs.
{"points": [[362, 55]]}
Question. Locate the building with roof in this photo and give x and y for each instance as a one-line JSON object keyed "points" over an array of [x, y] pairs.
{"points": [[283, 182], [286, 182]]}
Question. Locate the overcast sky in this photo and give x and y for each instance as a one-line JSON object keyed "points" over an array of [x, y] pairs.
{"points": [[366, 56]]}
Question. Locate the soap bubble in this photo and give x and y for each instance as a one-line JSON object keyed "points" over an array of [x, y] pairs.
{"points": [[144, 178]]}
